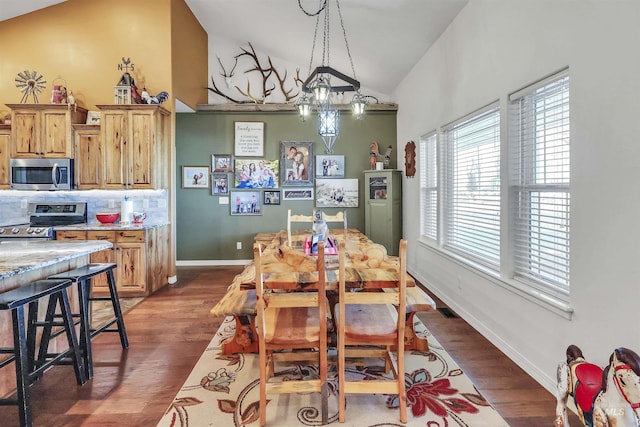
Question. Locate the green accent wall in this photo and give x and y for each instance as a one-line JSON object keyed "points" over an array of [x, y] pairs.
{"points": [[205, 229]]}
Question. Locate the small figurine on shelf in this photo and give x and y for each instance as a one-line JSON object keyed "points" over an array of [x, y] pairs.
{"points": [[372, 161], [158, 99], [71, 100]]}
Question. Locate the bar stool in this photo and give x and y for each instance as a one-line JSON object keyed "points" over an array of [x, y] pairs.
{"points": [[24, 338], [82, 277]]}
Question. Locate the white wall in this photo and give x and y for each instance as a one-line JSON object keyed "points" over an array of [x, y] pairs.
{"points": [[493, 48]]}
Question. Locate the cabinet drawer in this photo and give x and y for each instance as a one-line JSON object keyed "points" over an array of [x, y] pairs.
{"points": [[71, 235], [130, 236], [101, 235]]}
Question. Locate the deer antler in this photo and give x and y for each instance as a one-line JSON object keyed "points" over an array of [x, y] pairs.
{"points": [[265, 72], [227, 77], [285, 92], [248, 94], [298, 81], [217, 91]]}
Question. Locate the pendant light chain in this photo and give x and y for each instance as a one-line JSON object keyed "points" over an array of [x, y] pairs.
{"points": [[325, 44], [344, 33]]}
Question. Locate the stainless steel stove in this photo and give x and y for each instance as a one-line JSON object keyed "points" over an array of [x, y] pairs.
{"points": [[42, 219], [25, 232]]}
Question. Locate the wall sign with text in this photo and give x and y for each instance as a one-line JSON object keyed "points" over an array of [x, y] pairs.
{"points": [[249, 139]]}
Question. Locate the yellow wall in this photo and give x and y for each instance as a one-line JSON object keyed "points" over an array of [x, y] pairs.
{"points": [[83, 41], [189, 50]]}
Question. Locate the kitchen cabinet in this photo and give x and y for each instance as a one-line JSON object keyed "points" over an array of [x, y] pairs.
{"points": [[89, 164], [43, 130], [140, 256], [383, 207], [136, 146], [5, 156]]}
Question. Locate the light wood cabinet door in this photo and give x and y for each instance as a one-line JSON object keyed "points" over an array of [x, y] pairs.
{"points": [[114, 137], [5, 156], [100, 285], [142, 149], [89, 161], [136, 152], [131, 275], [55, 137], [25, 128], [43, 130]]}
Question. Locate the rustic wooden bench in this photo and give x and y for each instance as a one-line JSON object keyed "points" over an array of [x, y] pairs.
{"points": [[240, 302]]}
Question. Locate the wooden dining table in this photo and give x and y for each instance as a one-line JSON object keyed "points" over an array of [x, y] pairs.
{"points": [[287, 267]]}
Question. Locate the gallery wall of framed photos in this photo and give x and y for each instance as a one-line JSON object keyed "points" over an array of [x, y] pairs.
{"points": [[269, 162]]}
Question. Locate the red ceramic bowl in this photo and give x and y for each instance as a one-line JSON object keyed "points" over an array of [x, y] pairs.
{"points": [[107, 218]]}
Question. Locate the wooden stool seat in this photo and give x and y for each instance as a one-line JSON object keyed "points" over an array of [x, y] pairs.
{"points": [[82, 277], [24, 338]]}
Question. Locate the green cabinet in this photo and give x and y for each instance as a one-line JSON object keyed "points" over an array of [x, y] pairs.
{"points": [[383, 207]]}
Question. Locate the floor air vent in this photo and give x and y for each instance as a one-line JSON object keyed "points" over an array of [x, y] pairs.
{"points": [[446, 312]]}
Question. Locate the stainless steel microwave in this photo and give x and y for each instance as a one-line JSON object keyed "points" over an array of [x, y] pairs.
{"points": [[41, 174]]}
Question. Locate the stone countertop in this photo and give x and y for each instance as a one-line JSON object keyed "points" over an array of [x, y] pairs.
{"points": [[114, 227], [17, 257]]}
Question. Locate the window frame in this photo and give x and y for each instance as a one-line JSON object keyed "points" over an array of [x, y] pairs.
{"points": [[538, 261], [429, 185], [472, 246]]}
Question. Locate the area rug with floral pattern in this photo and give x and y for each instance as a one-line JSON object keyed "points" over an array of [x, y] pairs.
{"points": [[222, 391]]}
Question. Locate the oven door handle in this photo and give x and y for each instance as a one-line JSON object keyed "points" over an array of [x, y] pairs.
{"points": [[55, 176]]}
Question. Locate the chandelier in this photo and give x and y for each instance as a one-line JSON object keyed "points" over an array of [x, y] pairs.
{"points": [[324, 81]]}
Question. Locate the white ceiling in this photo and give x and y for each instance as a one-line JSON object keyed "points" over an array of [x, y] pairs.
{"points": [[386, 37]]}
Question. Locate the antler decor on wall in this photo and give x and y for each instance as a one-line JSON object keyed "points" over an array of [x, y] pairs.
{"points": [[268, 72]]}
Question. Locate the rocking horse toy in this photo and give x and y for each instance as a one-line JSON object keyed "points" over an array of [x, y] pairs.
{"points": [[603, 398]]}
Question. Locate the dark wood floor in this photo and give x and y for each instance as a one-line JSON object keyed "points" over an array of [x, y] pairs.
{"points": [[169, 331]]}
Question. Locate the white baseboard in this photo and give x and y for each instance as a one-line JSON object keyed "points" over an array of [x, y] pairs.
{"points": [[211, 262]]}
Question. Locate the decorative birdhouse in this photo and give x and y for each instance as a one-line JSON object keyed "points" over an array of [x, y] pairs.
{"points": [[123, 90]]}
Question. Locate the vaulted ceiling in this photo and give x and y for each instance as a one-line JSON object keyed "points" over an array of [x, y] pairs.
{"points": [[385, 37]]}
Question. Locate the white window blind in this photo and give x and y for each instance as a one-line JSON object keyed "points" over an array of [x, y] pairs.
{"points": [[472, 187], [429, 186], [539, 181]]}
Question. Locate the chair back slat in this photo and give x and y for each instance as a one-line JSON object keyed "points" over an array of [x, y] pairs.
{"points": [[298, 218]]}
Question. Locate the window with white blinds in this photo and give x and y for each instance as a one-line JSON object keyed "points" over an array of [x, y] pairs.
{"points": [[539, 182], [429, 186], [471, 190]]}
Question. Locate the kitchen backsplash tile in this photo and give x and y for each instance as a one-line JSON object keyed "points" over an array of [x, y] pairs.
{"points": [[13, 209]]}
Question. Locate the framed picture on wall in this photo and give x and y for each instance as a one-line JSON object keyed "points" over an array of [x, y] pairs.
{"points": [[222, 162], [256, 173], [195, 176], [336, 193], [296, 163], [271, 197], [329, 166], [297, 194], [220, 184], [245, 203]]}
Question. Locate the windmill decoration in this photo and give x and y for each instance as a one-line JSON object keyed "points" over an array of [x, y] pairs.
{"points": [[30, 83]]}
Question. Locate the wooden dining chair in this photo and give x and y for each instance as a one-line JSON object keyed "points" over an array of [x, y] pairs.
{"points": [[292, 329], [369, 327], [298, 218], [340, 218]]}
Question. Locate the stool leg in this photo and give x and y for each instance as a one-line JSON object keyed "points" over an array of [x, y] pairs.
{"points": [[116, 309], [43, 352], [31, 335], [85, 327], [22, 366], [78, 365]]}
